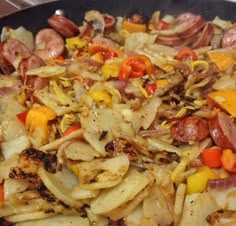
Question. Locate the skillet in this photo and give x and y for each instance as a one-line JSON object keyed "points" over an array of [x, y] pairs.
{"points": [[35, 18]]}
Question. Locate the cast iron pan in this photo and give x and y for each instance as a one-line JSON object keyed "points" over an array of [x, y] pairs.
{"points": [[35, 18]]}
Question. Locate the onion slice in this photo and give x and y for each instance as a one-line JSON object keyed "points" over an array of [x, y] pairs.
{"points": [[222, 183]]}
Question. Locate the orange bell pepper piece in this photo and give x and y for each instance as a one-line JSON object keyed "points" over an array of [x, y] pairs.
{"points": [[229, 160], [133, 27]]}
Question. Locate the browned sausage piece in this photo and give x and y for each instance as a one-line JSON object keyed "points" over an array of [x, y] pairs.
{"points": [[188, 24], [109, 21], [229, 39], [205, 37], [35, 83], [223, 131], [48, 44], [10, 50], [29, 63], [183, 17], [63, 26], [192, 128]]}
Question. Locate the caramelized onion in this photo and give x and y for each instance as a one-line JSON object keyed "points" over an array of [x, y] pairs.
{"points": [[222, 183]]}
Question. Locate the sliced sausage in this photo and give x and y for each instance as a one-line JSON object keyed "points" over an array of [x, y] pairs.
{"points": [[184, 17], [205, 37], [29, 63], [169, 40], [229, 39], [188, 24], [35, 83], [63, 26], [86, 31], [10, 51], [109, 21], [223, 131], [48, 44], [192, 128], [100, 40], [136, 17]]}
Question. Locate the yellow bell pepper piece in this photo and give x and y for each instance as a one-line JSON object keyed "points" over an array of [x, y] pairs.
{"points": [[76, 43], [222, 60], [225, 99], [162, 83], [167, 67], [97, 57], [38, 116], [197, 182], [110, 70], [101, 97]]}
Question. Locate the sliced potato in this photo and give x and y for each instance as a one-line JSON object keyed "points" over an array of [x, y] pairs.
{"points": [[15, 206], [196, 209], [14, 186], [15, 146], [29, 216], [109, 199], [96, 219], [117, 165], [80, 150], [97, 185], [225, 198], [98, 125], [78, 134], [135, 217], [60, 220], [148, 112], [79, 193], [61, 185], [126, 209], [5, 167], [157, 208]]}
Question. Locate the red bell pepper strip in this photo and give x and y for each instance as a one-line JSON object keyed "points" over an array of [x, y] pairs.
{"points": [[211, 157], [186, 53], [162, 25], [71, 129], [135, 67], [1, 193], [22, 116], [109, 55], [95, 48], [151, 88]]}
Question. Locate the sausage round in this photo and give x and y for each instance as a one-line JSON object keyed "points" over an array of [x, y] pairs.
{"points": [[191, 128], [205, 37], [63, 26], [29, 63], [11, 50], [223, 131], [229, 39], [109, 21], [48, 44], [190, 27]]}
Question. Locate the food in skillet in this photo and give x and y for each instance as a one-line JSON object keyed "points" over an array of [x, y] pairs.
{"points": [[119, 121]]}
